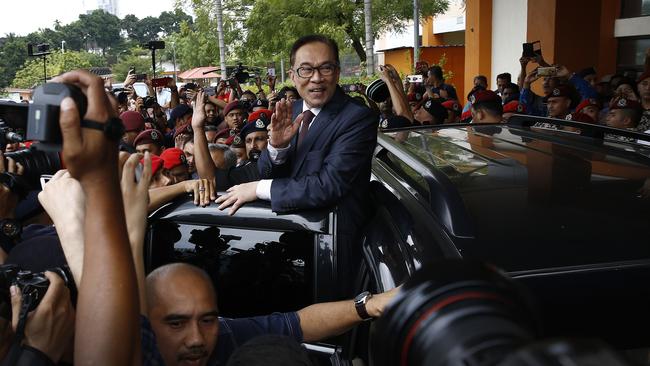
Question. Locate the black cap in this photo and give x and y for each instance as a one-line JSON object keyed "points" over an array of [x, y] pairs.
{"points": [[378, 91]]}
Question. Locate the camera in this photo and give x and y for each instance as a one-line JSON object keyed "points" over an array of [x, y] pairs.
{"points": [[349, 88], [36, 163], [42, 49], [191, 86], [532, 49], [459, 312], [415, 78], [148, 102], [547, 71], [154, 45], [33, 285]]}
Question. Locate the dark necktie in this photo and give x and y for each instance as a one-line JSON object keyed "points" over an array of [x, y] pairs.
{"points": [[307, 117]]}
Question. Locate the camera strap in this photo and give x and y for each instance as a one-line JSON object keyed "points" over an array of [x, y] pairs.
{"points": [[26, 304]]}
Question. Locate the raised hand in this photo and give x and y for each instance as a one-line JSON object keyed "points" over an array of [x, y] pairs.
{"points": [[198, 117], [282, 128]]}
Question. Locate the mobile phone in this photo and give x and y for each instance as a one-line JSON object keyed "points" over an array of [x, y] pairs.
{"points": [[415, 78], [44, 179], [160, 82], [270, 69], [349, 88], [140, 77], [532, 49], [210, 91], [546, 71]]}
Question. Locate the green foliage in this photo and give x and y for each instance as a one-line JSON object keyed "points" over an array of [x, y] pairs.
{"points": [[57, 63], [101, 27], [13, 54], [273, 25], [139, 59]]}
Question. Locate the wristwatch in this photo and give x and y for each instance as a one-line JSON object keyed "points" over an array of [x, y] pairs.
{"points": [[360, 305], [10, 231]]}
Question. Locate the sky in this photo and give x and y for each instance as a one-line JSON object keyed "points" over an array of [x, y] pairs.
{"points": [[26, 16]]}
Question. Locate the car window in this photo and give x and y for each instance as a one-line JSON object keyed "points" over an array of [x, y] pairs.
{"points": [[255, 272]]}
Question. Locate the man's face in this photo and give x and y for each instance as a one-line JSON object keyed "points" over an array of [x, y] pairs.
{"points": [[182, 121], [591, 111], [235, 119], [479, 81], [644, 88], [507, 93], [548, 84], [256, 141], [626, 91], [218, 158], [501, 83], [159, 180], [558, 107], [318, 89], [184, 319], [240, 152], [617, 118], [591, 79], [188, 150], [130, 136], [177, 174], [210, 111], [423, 116], [152, 148]]}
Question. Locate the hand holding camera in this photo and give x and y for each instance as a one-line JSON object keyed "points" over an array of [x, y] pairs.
{"points": [[50, 327]]}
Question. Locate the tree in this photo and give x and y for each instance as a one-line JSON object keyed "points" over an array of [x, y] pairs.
{"points": [[57, 63], [271, 21], [13, 54], [101, 27], [138, 59], [170, 22]]}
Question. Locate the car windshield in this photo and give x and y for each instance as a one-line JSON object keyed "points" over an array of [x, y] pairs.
{"points": [[530, 199]]}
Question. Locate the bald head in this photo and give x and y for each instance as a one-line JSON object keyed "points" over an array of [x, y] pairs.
{"points": [[182, 307], [161, 278]]}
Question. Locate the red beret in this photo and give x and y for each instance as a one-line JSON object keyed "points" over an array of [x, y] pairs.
{"points": [[263, 114], [156, 163], [586, 103], [514, 107], [624, 103], [132, 121], [453, 106], [233, 105], [224, 133], [579, 117], [415, 97], [186, 129], [643, 76], [173, 157], [235, 141], [149, 137], [484, 96]]}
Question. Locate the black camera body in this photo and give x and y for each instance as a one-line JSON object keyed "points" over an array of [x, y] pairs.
{"points": [[154, 45], [42, 49], [148, 102], [33, 285], [43, 115]]}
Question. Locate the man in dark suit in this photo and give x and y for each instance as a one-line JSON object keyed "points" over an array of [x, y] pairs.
{"points": [[320, 147]]}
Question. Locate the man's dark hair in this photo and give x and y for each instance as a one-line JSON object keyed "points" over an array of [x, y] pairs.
{"points": [[311, 39], [633, 114], [249, 92], [436, 71], [493, 108], [515, 92], [505, 76], [270, 350], [283, 92], [482, 78]]}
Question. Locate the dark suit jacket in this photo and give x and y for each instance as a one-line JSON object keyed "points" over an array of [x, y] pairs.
{"points": [[332, 165]]}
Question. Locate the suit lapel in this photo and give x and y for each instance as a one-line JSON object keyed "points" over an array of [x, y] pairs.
{"points": [[319, 124]]}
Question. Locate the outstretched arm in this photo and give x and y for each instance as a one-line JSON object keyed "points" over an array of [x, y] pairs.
{"points": [[108, 295]]}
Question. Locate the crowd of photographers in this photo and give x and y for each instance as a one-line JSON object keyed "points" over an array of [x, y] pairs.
{"points": [[200, 140]]}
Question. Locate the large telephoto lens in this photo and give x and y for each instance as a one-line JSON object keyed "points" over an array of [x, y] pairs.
{"points": [[453, 313], [561, 352], [36, 162]]}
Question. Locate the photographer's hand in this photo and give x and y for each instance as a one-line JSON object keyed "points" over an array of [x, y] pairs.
{"points": [[64, 200], [136, 200], [108, 295], [49, 328]]}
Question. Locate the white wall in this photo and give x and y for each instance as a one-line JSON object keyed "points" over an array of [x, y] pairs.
{"points": [[509, 26]]}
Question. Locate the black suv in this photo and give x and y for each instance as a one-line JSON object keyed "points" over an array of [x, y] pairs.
{"points": [[564, 210]]}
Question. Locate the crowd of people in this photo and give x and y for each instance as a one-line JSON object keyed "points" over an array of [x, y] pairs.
{"points": [[301, 147]]}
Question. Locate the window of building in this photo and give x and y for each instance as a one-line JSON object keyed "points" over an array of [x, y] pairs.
{"points": [[635, 8], [631, 53]]}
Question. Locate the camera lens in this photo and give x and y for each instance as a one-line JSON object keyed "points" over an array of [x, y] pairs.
{"points": [[559, 352], [453, 313], [36, 163]]}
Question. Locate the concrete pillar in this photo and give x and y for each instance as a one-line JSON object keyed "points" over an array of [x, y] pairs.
{"points": [[478, 41]]}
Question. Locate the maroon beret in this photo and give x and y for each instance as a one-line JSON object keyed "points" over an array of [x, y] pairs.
{"points": [[484, 96], [453, 106], [186, 129], [579, 117], [233, 105], [624, 103], [149, 137], [643, 76], [132, 121]]}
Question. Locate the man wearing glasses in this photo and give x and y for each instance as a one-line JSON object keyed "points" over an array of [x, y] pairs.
{"points": [[320, 147]]}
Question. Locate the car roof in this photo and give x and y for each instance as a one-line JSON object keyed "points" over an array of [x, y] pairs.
{"points": [[533, 199]]}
